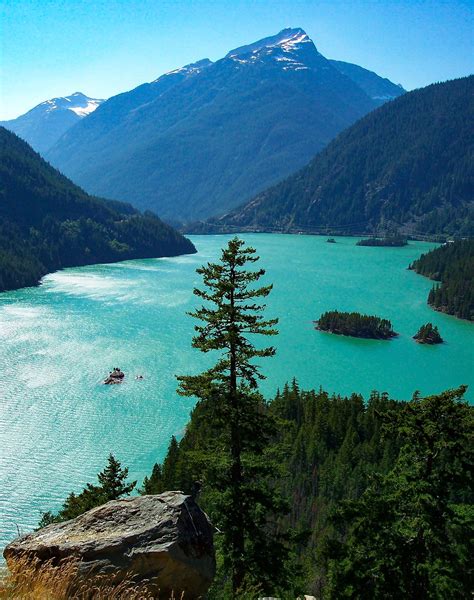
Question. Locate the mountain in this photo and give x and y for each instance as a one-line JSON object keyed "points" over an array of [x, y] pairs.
{"points": [[44, 124], [378, 88], [47, 222], [201, 139], [407, 165]]}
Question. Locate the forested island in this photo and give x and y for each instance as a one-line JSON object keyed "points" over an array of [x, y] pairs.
{"points": [[48, 223], [453, 265], [356, 325], [427, 334], [389, 240]]}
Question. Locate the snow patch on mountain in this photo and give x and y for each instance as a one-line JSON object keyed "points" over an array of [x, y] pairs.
{"points": [[90, 107]]}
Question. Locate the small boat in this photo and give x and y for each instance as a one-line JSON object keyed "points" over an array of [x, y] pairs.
{"points": [[114, 377]]}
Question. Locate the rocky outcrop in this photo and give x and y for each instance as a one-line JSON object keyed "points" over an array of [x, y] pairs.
{"points": [[163, 541]]}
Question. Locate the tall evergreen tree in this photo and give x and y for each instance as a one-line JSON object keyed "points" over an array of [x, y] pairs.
{"points": [[236, 466]]}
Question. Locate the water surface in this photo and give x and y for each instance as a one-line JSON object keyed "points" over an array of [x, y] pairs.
{"points": [[58, 341]]}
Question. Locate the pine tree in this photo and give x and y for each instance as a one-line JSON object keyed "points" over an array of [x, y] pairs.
{"points": [[112, 480], [112, 485], [236, 467]]}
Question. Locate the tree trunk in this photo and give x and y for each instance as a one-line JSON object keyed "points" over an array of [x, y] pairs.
{"points": [[237, 536]]}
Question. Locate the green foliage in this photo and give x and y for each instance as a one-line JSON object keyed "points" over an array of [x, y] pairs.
{"points": [[325, 447], [427, 334], [453, 265], [48, 223], [355, 324], [410, 534], [361, 480], [232, 460], [406, 163], [112, 485]]}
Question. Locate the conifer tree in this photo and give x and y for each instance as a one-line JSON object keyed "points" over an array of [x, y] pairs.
{"points": [[236, 467], [112, 485]]}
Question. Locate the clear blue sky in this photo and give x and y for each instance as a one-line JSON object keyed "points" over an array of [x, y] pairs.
{"points": [[102, 47]]}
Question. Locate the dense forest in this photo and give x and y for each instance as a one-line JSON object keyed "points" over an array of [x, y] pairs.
{"points": [[355, 324], [338, 459], [452, 265], [389, 240], [332, 450], [406, 165], [47, 223]]}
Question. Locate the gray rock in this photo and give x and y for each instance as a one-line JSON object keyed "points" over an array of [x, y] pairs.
{"points": [[165, 540]]}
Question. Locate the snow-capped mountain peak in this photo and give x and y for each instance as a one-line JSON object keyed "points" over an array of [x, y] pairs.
{"points": [[190, 69], [78, 103], [288, 39], [44, 124]]}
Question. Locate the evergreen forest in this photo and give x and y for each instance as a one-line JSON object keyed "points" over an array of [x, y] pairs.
{"points": [[406, 165], [48, 223], [453, 265]]}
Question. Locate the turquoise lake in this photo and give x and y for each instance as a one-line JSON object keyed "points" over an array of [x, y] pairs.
{"points": [[59, 340]]}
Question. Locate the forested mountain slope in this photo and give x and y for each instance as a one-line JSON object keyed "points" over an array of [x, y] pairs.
{"points": [[47, 222], [407, 165], [378, 88], [202, 139]]}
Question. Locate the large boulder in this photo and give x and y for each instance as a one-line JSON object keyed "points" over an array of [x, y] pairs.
{"points": [[164, 542]]}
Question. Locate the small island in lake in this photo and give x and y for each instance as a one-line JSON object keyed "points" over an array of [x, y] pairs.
{"points": [[331, 241], [356, 325], [389, 240], [427, 334]]}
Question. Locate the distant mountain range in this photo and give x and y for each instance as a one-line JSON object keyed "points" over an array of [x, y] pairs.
{"points": [[408, 165], [47, 222], [202, 139], [44, 124]]}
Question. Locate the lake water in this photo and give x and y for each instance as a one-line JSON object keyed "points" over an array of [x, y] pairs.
{"points": [[58, 341]]}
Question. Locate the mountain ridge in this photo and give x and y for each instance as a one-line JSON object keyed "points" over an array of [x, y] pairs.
{"points": [[200, 139], [406, 165], [46, 122]]}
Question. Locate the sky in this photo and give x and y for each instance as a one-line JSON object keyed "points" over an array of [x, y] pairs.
{"points": [[51, 48]]}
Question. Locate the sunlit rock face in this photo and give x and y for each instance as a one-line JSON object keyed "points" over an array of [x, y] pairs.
{"points": [[163, 541]]}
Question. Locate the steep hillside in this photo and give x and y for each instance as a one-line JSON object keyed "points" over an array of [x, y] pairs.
{"points": [[378, 88], [201, 139], [44, 124], [407, 165], [46, 222]]}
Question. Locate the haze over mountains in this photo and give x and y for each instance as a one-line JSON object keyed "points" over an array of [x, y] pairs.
{"points": [[47, 222], [202, 139], [408, 164], [44, 124]]}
